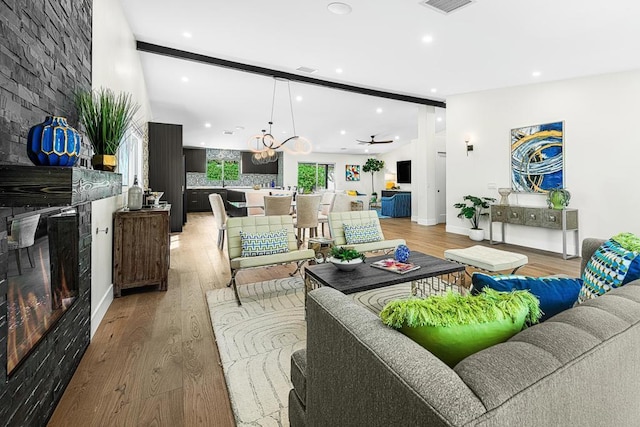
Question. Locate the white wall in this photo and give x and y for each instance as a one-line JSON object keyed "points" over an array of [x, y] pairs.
{"points": [[405, 152], [602, 148], [115, 65]]}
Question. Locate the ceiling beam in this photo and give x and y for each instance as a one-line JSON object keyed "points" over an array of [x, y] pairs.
{"points": [[190, 56]]}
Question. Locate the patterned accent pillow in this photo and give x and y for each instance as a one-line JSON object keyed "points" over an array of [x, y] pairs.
{"points": [[611, 266], [363, 233], [269, 243]]}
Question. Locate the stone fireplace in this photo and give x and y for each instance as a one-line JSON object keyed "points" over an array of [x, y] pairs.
{"points": [[38, 375]]}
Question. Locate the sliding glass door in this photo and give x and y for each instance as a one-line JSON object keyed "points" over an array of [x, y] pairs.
{"points": [[315, 176]]}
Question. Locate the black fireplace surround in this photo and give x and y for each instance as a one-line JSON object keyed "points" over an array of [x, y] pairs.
{"points": [[30, 393]]}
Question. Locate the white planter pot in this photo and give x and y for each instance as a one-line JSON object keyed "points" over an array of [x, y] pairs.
{"points": [[476, 235]]}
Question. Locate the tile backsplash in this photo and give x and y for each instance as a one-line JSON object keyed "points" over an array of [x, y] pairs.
{"points": [[195, 179]]}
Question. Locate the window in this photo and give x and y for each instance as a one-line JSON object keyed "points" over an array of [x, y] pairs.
{"points": [[130, 157], [315, 176], [223, 170]]}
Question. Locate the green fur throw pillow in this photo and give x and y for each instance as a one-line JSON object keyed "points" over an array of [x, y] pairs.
{"points": [[454, 326]]}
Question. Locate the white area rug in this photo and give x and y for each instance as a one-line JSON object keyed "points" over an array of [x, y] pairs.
{"points": [[256, 341]]}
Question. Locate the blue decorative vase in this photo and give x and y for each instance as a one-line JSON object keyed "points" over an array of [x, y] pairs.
{"points": [[53, 143], [402, 253]]}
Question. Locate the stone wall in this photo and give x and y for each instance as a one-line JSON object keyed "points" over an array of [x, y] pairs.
{"points": [[45, 56]]}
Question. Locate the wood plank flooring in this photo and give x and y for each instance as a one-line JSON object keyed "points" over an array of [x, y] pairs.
{"points": [[154, 360]]}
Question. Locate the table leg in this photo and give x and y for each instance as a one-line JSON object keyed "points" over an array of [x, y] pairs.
{"points": [[455, 281]]}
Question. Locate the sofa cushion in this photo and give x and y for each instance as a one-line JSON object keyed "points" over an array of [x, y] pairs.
{"points": [[556, 294], [612, 265], [361, 233], [454, 326], [267, 243], [299, 374]]}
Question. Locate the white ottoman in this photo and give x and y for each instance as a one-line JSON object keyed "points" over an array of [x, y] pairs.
{"points": [[488, 259]]}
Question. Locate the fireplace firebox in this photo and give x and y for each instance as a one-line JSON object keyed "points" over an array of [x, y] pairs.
{"points": [[43, 285]]}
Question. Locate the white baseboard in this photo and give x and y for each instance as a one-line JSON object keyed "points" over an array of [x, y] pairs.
{"points": [[101, 309], [427, 221]]}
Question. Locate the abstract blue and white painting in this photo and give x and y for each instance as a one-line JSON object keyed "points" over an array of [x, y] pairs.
{"points": [[537, 162]]}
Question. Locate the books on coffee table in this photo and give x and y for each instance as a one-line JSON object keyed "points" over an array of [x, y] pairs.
{"points": [[394, 266]]}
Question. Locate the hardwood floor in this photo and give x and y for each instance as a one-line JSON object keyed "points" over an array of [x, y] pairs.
{"points": [[154, 360]]}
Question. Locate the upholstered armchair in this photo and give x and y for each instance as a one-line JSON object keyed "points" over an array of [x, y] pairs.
{"points": [[398, 205]]}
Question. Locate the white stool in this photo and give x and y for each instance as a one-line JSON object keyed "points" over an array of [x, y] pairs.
{"points": [[488, 259]]}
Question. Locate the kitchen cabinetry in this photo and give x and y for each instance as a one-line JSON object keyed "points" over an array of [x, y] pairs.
{"points": [[166, 168], [141, 248], [198, 198], [195, 160], [565, 220]]}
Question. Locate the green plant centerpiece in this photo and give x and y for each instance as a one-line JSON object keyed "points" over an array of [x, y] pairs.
{"points": [[473, 209], [106, 116], [346, 258], [454, 326], [558, 198], [373, 165]]}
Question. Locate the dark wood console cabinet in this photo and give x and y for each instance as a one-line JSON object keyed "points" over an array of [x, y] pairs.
{"points": [[141, 248]]}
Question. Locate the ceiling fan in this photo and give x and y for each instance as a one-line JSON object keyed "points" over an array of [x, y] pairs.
{"points": [[373, 141]]}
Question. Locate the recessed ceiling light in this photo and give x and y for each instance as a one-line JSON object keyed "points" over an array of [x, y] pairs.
{"points": [[366, 150], [339, 70], [378, 110], [536, 74], [397, 137], [342, 132], [239, 127], [202, 143], [207, 125], [427, 39], [339, 8], [439, 119], [434, 90], [284, 131], [185, 79], [186, 35], [298, 98], [343, 148]]}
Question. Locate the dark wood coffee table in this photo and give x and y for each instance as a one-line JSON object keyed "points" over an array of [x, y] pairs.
{"points": [[435, 275]]}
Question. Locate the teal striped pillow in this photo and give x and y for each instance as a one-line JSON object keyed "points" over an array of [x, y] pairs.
{"points": [[268, 243], [361, 233]]}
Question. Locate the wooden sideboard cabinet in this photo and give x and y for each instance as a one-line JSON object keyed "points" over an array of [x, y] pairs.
{"points": [[141, 248], [564, 220]]}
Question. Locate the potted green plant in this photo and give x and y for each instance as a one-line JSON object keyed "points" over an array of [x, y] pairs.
{"points": [[106, 116], [558, 198], [472, 208], [346, 258], [373, 165]]}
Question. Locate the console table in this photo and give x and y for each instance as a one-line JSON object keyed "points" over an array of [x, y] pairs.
{"points": [[564, 220]]}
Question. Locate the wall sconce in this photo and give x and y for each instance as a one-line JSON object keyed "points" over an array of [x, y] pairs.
{"points": [[469, 146]]}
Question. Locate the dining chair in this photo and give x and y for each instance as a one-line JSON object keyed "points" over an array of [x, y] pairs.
{"points": [[342, 203], [256, 199], [220, 215], [23, 235], [277, 205], [326, 203], [307, 206]]}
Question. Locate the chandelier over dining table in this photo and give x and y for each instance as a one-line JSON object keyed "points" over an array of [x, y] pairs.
{"points": [[264, 145]]}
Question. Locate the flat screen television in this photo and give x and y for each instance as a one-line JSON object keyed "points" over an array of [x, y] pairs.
{"points": [[403, 169], [249, 167]]}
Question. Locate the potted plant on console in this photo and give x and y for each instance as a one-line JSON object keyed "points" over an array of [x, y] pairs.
{"points": [[106, 116], [472, 208], [345, 258]]}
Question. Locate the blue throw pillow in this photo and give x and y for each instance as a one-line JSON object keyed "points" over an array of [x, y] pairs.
{"points": [[361, 233], [610, 267], [556, 294], [268, 243]]}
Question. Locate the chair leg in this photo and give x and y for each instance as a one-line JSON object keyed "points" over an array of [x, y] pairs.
{"points": [[31, 259], [297, 270], [232, 283], [19, 261]]}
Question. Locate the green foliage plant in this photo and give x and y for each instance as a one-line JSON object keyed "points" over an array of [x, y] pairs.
{"points": [[373, 165], [106, 116], [346, 254], [473, 209], [307, 176], [453, 309]]}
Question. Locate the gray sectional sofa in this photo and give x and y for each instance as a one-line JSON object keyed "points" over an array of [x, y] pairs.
{"points": [[581, 367]]}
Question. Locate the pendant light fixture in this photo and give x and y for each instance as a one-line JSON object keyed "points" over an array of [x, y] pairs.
{"points": [[264, 145]]}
